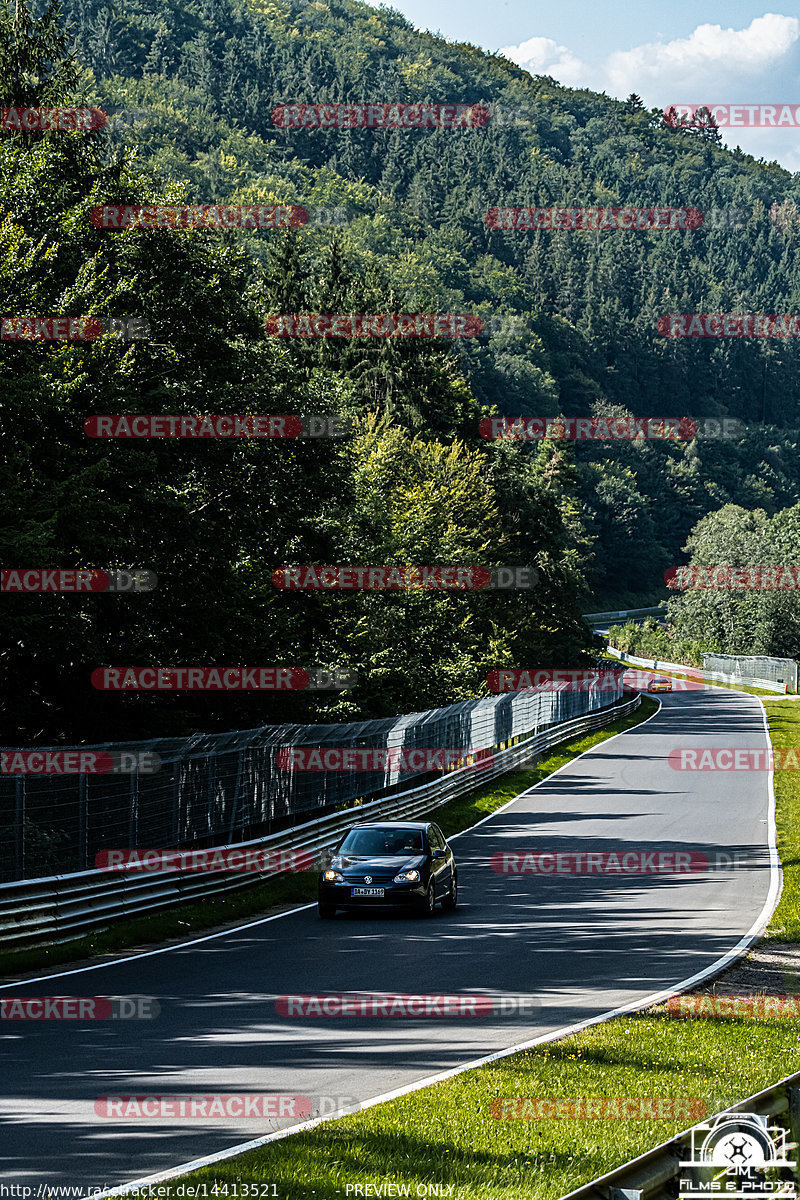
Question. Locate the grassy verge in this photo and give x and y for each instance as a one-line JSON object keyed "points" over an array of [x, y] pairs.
{"points": [[784, 732], [275, 894], [446, 1134]]}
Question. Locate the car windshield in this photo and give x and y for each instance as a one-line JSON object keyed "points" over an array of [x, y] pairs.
{"points": [[382, 843]]}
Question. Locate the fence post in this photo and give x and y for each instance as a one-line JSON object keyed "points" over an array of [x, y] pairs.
{"points": [[133, 830], [19, 828], [176, 801], [236, 791], [83, 822]]}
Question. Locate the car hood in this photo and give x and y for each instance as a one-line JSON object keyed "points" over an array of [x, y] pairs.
{"points": [[397, 862]]}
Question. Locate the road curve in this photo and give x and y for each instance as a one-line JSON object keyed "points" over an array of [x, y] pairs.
{"points": [[580, 945]]}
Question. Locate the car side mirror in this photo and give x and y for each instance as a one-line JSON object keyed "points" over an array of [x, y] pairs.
{"points": [[437, 854]]}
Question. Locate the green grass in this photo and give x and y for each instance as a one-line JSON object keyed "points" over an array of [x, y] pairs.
{"points": [[446, 1134], [261, 899], [784, 731]]}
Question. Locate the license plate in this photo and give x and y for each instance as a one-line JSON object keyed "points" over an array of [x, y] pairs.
{"points": [[366, 891]]}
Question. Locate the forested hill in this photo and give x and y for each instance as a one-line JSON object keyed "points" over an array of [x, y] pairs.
{"points": [[208, 77], [416, 483]]}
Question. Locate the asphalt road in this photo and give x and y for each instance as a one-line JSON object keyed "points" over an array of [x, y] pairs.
{"points": [[580, 945]]}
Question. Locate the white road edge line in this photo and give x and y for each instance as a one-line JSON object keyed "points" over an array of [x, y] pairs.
{"points": [[776, 884]]}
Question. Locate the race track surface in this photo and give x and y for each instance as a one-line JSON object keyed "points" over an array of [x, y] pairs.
{"points": [[578, 945]]}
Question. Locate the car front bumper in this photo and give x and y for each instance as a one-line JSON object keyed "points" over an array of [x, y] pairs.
{"points": [[394, 895]]}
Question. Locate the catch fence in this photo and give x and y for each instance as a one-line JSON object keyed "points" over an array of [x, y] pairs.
{"points": [[231, 787], [751, 667]]}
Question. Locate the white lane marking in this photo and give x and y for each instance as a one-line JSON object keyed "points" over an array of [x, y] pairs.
{"points": [[114, 962]]}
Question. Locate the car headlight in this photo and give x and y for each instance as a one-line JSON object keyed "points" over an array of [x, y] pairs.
{"points": [[407, 877], [333, 877]]}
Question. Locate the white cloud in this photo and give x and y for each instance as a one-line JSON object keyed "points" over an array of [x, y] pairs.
{"points": [[760, 63], [710, 56], [543, 56]]}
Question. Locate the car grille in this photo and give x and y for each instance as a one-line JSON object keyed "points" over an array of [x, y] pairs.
{"points": [[376, 879]]}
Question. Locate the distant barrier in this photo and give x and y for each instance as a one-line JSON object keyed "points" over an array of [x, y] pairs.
{"points": [[755, 666], [657, 611], [655, 664]]}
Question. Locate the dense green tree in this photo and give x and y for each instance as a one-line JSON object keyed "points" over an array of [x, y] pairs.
{"points": [[215, 519]]}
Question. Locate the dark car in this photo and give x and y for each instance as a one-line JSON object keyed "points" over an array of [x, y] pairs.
{"points": [[390, 863]]}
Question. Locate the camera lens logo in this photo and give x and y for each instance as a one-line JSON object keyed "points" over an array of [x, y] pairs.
{"points": [[733, 1153]]}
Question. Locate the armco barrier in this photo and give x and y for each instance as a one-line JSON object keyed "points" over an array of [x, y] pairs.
{"points": [[62, 907], [654, 1175], [656, 611]]}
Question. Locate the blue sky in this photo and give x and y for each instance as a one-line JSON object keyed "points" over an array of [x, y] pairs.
{"points": [[731, 53]]}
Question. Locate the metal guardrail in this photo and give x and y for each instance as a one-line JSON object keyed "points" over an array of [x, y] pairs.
{"points": [[59, 908], [647, 1177], [658, 610], [766, 684]]}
